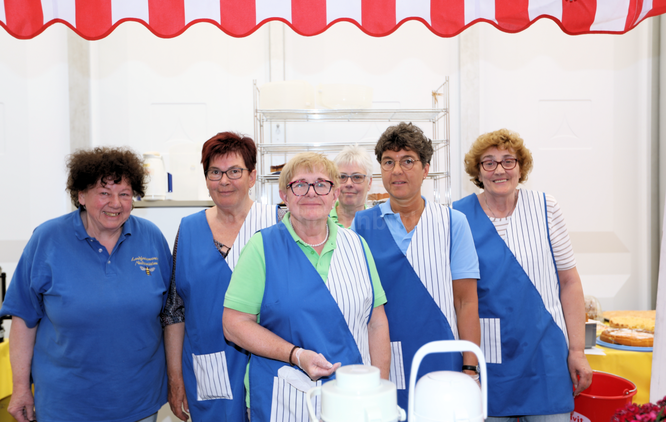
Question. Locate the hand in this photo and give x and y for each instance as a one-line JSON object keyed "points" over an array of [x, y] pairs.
{"points": [[22, 406], [580, 371], [314, 364], [178, 399]]}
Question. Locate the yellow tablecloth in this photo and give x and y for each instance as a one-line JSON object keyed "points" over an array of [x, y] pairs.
{"points": [[634, 366], [5, 371]]}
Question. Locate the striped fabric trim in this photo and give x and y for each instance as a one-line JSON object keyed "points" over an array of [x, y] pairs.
{"points": [[429, 254], [351, 286], [295, 409], [397, 370], [527, 238], [212, 376], [491, 339], [559, 235], [95, 19], [259, 217]]}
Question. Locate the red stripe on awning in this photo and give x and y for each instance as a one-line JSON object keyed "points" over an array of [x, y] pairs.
{"points": [[308, 16], [512, 15], [578, 16], [93, 17], [447, 16], [378, 16], [238, 17], [24, 17], [166, 16]]}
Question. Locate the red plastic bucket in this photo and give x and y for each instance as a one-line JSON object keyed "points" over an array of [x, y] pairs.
{"points": [[600, 401]]}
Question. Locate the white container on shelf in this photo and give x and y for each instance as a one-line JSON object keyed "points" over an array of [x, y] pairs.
{"points": [[156, 187], [289, 95], [344, 96]]}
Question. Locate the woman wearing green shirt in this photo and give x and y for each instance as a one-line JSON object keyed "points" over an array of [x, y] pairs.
{"points": [[305, 297]]}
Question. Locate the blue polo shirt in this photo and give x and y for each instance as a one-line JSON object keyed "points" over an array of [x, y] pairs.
{"points": [[464, 261], [99, 350]]}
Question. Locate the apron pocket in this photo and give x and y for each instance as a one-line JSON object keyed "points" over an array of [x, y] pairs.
{"points": [[491, 339], [397, 371], [288, 404], [212, 376]]}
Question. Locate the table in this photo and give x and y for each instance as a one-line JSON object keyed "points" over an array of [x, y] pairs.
{"points": [[634, 366]]}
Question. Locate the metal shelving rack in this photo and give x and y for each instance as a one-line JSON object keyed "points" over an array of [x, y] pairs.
{"points": [[437, 116]]}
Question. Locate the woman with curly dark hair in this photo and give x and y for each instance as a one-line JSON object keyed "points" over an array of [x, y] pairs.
{"points": [[85, 299]]}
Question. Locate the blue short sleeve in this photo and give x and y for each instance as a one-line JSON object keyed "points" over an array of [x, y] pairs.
{"points": [[464, 260]]}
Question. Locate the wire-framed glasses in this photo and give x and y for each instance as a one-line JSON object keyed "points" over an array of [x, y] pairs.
{"points": [[405, 164], [234, 173], [301, 188], [356, 178], [507, 164]]}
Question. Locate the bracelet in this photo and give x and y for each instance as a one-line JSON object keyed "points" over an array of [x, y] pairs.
{"points": [[470, 368], [291, 354]]}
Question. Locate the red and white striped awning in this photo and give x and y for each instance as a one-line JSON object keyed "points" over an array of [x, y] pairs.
{"points": [[95, 19]]}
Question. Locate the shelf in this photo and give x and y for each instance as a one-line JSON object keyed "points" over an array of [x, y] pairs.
{"points": [[326, 146], [434, 175], [172, 204], [353, 115]]}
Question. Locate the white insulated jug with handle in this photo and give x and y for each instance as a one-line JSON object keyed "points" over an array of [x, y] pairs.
{"points": [[447, 396], [357, 394], [156, 188]]}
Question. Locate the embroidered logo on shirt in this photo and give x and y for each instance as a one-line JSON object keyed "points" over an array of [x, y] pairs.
{"points": [[146, 264]]}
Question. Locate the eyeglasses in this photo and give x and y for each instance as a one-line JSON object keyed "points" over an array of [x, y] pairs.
{"points": [[356, 178], [233, 173], [507, 164], [301, 188], [405, 164]]}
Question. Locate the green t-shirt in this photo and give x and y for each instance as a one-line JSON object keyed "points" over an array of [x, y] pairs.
{"points": [[246, 288], [334, 214]]}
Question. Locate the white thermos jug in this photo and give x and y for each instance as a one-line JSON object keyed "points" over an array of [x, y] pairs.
{"points": [[447, 396], [156, 187]]}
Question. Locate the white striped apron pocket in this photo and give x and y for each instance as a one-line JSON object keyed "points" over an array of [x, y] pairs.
{"points": [[288, 401], [397, 371], [212, 376], [491, 339]]}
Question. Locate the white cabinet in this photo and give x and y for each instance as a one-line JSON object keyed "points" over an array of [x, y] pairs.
{"points": [[274, 146]]}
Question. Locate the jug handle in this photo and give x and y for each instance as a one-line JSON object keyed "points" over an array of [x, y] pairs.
{"points": [[312, 392], [402, 415], [441, 347]]}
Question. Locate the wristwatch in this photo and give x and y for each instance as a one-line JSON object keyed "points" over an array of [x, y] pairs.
{"points": [[471, 368]]}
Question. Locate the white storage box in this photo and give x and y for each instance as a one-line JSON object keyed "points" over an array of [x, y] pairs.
{"points": [[290, 95]]}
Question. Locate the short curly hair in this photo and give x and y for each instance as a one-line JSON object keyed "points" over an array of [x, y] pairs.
{"points": [[501, 139], [405, 136], [89, 166]]}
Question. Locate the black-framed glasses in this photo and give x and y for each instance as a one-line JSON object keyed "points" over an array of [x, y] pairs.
{"points": [[301, 188], [356, 178], [233, 173], [491, 165], [405, 164]]}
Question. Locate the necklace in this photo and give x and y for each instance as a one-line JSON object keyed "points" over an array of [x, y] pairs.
{"points": [[515, 202], [324, 241]]}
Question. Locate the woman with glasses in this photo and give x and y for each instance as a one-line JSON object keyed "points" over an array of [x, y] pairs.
{"points": [[206, 372], [305, 297], [530, 295], [426, 260], [85, 299], [355, 167]]}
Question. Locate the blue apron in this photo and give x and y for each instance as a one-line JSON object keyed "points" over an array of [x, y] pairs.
{"points": [[298, 307], [203, 277], [533, 377], [409, 305]]}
